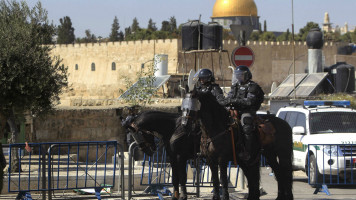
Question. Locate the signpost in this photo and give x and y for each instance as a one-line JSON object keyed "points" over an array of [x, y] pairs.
{"points": [[242, 56]]}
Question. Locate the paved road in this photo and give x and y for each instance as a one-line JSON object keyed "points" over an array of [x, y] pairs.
{"points": [[301, 190]]}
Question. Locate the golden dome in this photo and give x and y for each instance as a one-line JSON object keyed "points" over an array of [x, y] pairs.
{"points": [[233, 8]]}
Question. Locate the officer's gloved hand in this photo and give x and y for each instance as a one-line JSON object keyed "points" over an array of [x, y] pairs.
{"points": [[236, 101], [126, 122]]}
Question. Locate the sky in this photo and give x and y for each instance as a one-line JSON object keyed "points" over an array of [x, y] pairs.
{"points": [[98, 15]]}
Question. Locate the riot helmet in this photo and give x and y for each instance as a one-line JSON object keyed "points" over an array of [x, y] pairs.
{"points": [[205, 76], [241, 75]]}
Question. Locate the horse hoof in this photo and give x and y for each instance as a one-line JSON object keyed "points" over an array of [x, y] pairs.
{"points": [[174, 198], [225, 195], [183, 198], [285, 198], [216, 197]]}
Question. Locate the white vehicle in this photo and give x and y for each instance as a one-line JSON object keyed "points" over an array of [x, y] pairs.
{"points": [[331, 126]]}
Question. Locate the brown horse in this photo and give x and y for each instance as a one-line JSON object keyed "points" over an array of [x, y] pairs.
{"points": [[217, 147]]}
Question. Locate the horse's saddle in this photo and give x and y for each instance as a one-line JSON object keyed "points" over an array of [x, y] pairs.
{"points": [[267, 131], [265, 128]]}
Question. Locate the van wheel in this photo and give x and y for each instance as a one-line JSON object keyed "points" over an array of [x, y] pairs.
{"points": [[314, 175]]}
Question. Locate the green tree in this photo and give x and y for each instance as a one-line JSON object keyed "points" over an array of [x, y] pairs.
{"points": [[31, 80], [114, 35], [121, 36], [151, 25], [89, 37], [353, 36], [127, 33], [303, 32], [347, 37], [286, 36], [143, 91], [165, 26], [265, 26], [65, 31], [227, 35], [135, 26], [267, 36], [160, 35], [255, 36], [172, 24]]}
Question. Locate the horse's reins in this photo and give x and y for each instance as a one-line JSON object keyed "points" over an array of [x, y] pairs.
{"points": [[233, 145]]}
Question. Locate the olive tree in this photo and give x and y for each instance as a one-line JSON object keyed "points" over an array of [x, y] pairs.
{"points": [[31, 80]]}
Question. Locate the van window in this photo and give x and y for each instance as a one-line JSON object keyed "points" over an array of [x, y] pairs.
{"points": [[282, 115], [332, 122], [301, 120], [291, 118]]}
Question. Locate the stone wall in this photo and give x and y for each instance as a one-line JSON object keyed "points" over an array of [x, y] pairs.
{"points": [[75, 124], [104, 82], [273, 63], [78, 125]]}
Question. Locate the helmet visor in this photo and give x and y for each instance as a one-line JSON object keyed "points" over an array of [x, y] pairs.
{"points": [[239, 77], [204, 80]]}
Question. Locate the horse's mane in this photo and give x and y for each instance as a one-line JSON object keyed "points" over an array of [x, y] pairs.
{"points": [[163, 123], [211, 112]]}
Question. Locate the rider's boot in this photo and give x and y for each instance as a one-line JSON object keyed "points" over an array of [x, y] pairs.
{"points": [[248, 139]]}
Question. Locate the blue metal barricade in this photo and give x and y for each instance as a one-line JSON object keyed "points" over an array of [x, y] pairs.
{"points": [[331, 165], [156, 175], [74, 166]]}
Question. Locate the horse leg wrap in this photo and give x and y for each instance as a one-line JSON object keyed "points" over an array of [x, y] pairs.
{"points": [[183, 193], [175, 195], [225, 194]]}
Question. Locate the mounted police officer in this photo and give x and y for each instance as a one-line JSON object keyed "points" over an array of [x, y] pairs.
{"points": [[244, 99], [206, 83]]}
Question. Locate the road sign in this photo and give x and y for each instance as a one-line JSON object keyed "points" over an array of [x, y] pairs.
{"points": [[242, 56]]}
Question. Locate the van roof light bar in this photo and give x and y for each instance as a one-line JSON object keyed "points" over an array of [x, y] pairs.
{"points": [[342, 103]]}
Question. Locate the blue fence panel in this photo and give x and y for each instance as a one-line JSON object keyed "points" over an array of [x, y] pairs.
{"points": [[331, 164], [156, 174], [63, 166]]}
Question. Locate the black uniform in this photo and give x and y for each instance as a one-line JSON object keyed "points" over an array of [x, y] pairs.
{"points": [[246, 99], [214, 89]]}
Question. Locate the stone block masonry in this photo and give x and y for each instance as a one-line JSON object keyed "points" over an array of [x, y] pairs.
{"points": [[97, 71], [75, 124]]}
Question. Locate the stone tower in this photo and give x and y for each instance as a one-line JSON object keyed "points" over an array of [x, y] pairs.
{"points": [[327, 25]]}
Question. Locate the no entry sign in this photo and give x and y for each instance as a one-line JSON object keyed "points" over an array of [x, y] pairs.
{"points": [[242, 56]]}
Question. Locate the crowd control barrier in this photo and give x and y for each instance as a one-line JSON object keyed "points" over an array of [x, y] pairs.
{"points": [[84, 167], [331, 165], [156, 174]]}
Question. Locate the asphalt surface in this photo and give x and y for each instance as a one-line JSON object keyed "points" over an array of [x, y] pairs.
{"points": [[301, 191]]}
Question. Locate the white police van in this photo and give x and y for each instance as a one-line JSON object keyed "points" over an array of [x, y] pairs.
{"points": [[331, 126]]}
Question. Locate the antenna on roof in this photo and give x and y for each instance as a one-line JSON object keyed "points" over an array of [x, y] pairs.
{"points": [[295, 91]]}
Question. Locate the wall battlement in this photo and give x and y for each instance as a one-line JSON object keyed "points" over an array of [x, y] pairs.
{"points": [[271, 43], [173, 41], [119, 43], [98, 70]]}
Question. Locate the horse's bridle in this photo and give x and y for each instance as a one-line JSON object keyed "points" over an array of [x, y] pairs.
{"points": [[137, 134], [189, 104]]}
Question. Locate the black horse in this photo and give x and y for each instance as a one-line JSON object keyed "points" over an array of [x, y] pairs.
{"points": [[217, 147], [179, 140]]}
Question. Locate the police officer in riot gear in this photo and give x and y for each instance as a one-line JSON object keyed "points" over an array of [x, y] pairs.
{"points": [[206, 83], [245, 98]]}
